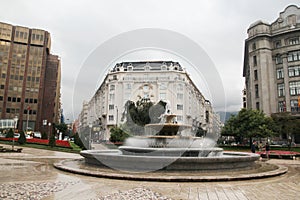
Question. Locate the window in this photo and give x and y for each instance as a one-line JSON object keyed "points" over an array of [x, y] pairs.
{"points": [[128, 86], [277, 44], [111, 97], [257, 105], [1, 98], [295, 88], [180, 87], [281, 91], [256, 91], [278, 59], [294, 106], [179, 107], [179, 96], [255, 75], [279, 73], [112, 87], [111, 106], [293, 41], [110, 117], [254, 61], [294, 71], [253, 46], [163, 86], [293, 56], [179, 118], [162, 96]]}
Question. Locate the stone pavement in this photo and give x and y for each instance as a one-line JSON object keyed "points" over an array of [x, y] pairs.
{"points": [[31, 175]]}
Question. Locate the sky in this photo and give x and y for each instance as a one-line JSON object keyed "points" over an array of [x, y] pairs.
{"points": [[78, 28]]}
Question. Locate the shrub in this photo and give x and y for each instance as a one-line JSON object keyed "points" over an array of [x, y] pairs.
{"points": [[22, 138]]}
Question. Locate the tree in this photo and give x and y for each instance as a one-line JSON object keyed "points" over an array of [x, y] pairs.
{"points": [[200, 132], [287, 125], [62, 127], [10, 134], [139, 114], [248, 124], [118, 135], [78, 141], [22, 138]]}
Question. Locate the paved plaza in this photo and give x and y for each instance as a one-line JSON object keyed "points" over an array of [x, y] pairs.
{"points": [[31, 175]]}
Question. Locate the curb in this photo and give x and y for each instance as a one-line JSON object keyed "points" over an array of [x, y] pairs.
{"points": [[167, 178]]}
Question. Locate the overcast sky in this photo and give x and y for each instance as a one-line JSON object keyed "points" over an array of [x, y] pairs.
{"points": [[78, 27]]}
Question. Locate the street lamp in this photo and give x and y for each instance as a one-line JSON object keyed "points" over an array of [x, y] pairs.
{"points": [[49, 124], [117, 116], [90, 138], [15, 127]]}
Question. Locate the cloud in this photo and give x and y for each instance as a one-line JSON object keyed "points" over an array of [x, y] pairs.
{"points": [[78, 27]]}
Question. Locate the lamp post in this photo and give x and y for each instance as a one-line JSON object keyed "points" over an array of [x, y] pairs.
{"points": [[49, 124], [15, 127], [90, 137], [117, 116]]}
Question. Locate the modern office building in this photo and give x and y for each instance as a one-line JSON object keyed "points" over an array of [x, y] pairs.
{"points": [[155, 81], [29, 78], [272, 64]]}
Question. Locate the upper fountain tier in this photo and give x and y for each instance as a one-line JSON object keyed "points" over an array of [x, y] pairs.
{"points": [[167, 127]]}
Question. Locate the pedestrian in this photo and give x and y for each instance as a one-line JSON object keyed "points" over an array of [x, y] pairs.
{"points": [[253, 146], [260, 146], [267, 149]]}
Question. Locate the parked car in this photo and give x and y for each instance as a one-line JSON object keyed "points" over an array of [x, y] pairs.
{"points": [[37, 135]]}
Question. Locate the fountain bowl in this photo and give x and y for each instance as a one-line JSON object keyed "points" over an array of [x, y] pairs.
{"points": [[115, 159]]}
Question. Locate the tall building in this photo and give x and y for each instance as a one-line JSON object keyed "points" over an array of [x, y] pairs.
{"points": [[155, 81], [30, 77], [272, 64]]}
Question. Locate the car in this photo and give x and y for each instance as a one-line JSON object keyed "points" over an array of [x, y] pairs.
{"points": [[37, 135]]}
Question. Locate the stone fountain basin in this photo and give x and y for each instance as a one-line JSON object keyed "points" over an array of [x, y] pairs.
{"points": [[173, 152], [116, 160]]}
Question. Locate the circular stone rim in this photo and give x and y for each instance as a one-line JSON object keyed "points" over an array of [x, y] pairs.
{"points": [[180, 178]]}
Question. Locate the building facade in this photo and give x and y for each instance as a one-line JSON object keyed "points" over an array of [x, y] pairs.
{"points": [[272, 64], [155, 81], [30, 77]]}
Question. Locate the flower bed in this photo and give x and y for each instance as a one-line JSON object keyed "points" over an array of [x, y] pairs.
{"points": [[59, 143]]}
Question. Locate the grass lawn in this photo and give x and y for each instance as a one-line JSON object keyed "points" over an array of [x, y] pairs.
{"points": [[74, 149]]}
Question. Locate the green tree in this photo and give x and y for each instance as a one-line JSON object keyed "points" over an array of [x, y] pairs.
{"points": [[117, 135], [287, 125], [22, 138], [78, 141], [62, 127], [139, 114], [248, 124], [10, 134], [200, 132]]}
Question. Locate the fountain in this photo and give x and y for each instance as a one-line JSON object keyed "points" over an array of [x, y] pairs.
{"points": [[169, 146]]}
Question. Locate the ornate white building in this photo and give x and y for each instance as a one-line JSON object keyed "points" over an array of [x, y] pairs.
{"points": [[154, 80]]}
